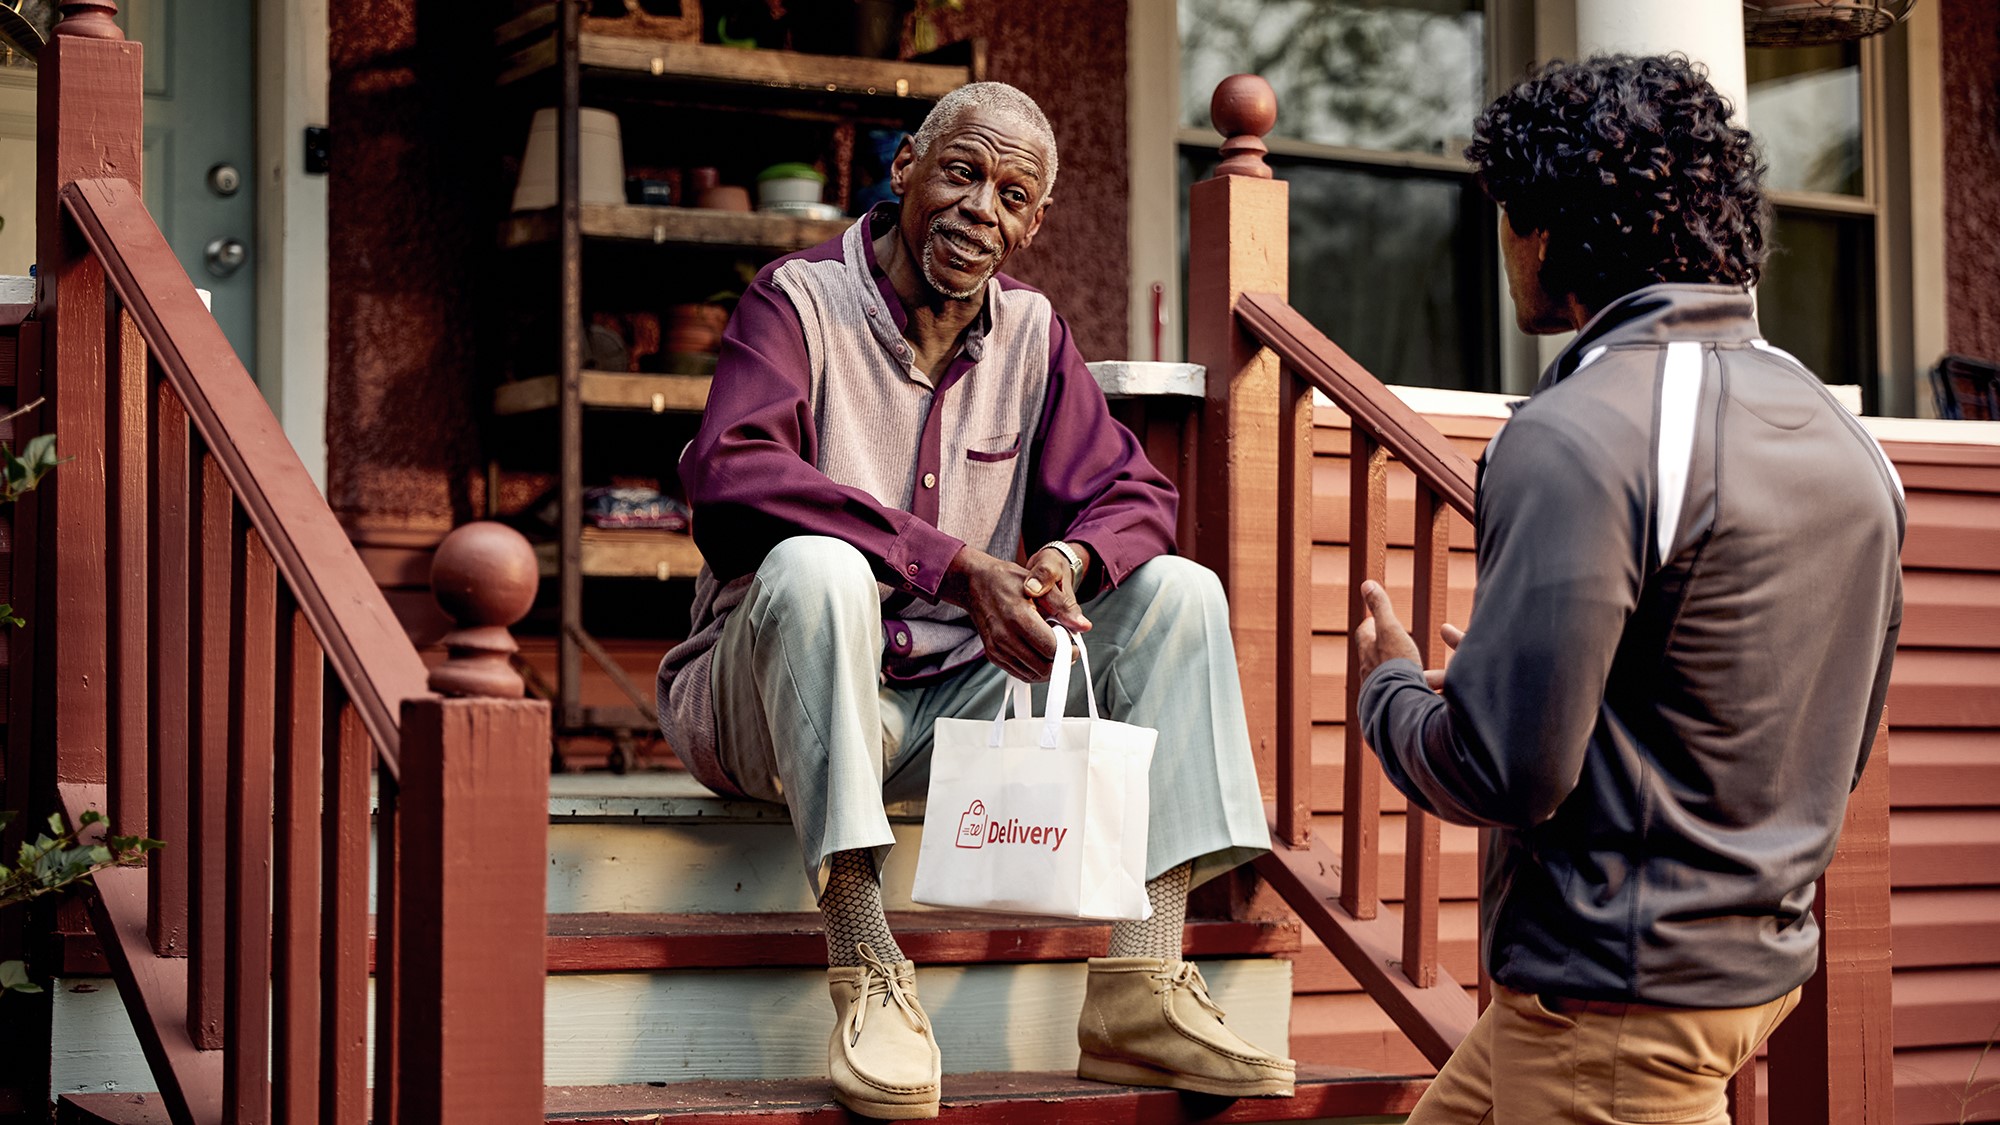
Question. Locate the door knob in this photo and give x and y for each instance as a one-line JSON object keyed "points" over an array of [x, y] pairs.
{"points": [[226, 255]]}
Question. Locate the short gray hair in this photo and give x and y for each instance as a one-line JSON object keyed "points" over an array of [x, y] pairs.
{"points": [[1003, 100]]}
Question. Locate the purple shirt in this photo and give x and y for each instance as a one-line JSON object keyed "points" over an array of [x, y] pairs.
{"points": [[758, 472], [750, 478]]}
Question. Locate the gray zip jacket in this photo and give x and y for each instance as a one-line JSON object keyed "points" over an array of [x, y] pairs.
{"points": [[1688, 602]]}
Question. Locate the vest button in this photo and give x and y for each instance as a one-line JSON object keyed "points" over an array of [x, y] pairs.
{"points": [[930, 480], [902, 638]]}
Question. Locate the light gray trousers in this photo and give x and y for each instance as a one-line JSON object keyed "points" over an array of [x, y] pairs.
{"points": [[802, 715]]}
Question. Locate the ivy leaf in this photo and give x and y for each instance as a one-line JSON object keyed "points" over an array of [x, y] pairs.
{"points": [[6, 818], [8, 616], [90, 817], [14, 978]]}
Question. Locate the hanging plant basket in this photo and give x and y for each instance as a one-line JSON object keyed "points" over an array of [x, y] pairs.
{"points": [[1810, 23]]}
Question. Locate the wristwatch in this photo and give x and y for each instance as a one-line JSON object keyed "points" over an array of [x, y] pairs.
{"points": [[1067, 552]]}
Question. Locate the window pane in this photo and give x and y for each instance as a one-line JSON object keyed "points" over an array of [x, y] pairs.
{"points": [[1395, 75], [1805, 110], [1817, 299], [1391, 266]]}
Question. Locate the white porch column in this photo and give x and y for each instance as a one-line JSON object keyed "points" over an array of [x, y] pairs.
{"points": [[1708, 31]]}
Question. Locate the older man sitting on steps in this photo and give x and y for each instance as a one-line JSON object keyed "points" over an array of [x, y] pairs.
{"points": [[891, 418]]}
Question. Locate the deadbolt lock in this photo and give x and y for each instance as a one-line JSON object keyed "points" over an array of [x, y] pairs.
{"points": [[225, 180]]}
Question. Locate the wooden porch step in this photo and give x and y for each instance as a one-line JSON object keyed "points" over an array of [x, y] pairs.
{"points": [[975, 1099], [620, 942], [604, 943]]}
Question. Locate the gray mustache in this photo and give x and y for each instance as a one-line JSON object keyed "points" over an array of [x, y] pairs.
{"points": [[967, 234]]}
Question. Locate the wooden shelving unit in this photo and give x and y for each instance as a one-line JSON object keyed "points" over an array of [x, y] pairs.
{"points": [[608, 390], [674, 226], [709, 65], [617, 553], [550, 55]]}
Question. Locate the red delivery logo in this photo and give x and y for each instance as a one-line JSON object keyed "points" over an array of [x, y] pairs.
{"points": [[972, 826]]}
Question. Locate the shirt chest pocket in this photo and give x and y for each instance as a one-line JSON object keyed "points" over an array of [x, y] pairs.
{"points": [[993, 450]]}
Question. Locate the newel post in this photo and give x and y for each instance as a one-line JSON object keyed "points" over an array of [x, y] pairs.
{"points": [[1239, 242], [474, 814], [90, 124], [1833, 1059]]}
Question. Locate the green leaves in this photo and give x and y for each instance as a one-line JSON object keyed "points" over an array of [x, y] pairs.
{"points": [[21, 472], [54, 859], [14, 978]]}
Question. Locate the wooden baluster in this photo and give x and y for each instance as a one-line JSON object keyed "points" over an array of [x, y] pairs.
{"points": [[253, 648], [172, 628], [390, 964], [473, 932], [343, 1076], [1367, 558], [1421, 830], [125, 516], [296, 945], [1238, 243], [1832, 1059], [1484, 846], [1295, 498], [1742, 1096], [208, 839]]}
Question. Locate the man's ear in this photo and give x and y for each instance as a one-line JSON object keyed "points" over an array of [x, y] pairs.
{"points": [[1035, 224], [901, 166]]}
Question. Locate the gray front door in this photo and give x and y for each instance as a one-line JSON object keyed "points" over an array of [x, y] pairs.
{"points": [[201, 157]]}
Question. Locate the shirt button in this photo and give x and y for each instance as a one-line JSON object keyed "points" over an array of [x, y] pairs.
{"points": [[871, 310], [902, 638], [930, 480], [910, 569]]}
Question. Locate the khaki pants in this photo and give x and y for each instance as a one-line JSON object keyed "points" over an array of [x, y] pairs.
{"points": [[1556, 1062]]}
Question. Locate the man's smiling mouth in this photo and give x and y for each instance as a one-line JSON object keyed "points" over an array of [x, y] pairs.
{"points": [[960, 247]]}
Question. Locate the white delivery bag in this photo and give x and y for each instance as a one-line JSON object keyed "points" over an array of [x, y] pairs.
{"points": [[1039, 816]]}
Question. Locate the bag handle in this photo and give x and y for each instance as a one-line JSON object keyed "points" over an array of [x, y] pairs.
{"points": [[1058, 701]]}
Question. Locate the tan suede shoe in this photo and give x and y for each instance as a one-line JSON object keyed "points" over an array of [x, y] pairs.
{"points": [[882, 1057], [1148, 1022]]}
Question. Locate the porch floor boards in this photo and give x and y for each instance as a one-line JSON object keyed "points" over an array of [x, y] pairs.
{"points": [[975, 1099]]}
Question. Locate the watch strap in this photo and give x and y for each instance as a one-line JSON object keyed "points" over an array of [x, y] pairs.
{"points": [[1067, 552]]}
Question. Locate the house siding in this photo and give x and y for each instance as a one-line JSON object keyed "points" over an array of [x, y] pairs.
{"points": [[1944, 753]]}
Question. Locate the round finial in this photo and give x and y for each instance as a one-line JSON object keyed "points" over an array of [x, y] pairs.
{"points": [[484, 577], [1243, 109], [89, 19]]}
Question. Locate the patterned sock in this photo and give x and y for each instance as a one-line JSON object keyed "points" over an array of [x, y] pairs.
{"points": [[1160, 935], [852, 908]]}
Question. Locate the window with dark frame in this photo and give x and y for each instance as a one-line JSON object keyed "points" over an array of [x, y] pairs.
{"points": [[1393, 245]]}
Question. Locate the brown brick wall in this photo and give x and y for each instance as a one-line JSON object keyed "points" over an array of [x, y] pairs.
{"points": [[1971, 80]]}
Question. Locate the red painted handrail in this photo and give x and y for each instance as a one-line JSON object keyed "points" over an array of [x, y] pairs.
{"points": [[258, 678], [365, 646], [1375, 408]]}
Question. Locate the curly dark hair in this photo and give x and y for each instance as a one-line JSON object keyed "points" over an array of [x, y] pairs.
{"points": [[1631, 166]]}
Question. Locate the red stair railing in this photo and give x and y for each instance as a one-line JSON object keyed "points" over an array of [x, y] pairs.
{"points": [[1253, 494], [216, 668]]}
